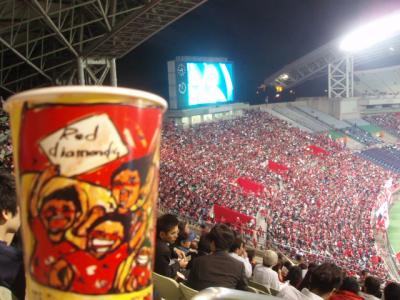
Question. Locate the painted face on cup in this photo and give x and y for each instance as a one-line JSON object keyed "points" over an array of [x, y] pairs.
{"points": [[126, 188], [58, 215], [105, 237]]}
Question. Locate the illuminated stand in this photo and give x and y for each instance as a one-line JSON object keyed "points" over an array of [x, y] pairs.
{"points": [[201, 89]]}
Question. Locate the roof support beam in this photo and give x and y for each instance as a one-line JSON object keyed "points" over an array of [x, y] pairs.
{"points": [[36, 5], [16, 52]]}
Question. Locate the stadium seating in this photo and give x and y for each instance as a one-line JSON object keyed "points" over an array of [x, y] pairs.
{"points": [[167, 287], [187, 292], [200, 167]]}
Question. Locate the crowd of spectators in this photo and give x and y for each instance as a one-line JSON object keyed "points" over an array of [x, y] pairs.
{"points": [[224, 263], [5, 142], [320, 207], [389, 121], [361, 135]]}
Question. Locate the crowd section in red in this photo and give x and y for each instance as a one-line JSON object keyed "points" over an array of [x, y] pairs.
{"points": [[319, 203], [388, 121]]}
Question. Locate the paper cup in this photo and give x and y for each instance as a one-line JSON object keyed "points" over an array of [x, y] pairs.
{"points": [[86, 163]]}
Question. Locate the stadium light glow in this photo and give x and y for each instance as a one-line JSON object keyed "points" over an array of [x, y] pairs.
{"points": [[372, 33], [283, 76]]}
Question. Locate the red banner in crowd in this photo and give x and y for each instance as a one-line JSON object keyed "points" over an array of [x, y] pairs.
{"points": [[225, 215], [277, 168], [315, 150], [249, 185]]}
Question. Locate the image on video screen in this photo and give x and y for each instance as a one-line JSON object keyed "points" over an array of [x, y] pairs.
{"points": [[209, 83]]}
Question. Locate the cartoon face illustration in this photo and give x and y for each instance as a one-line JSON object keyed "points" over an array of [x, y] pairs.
{"points": [[143, 256], [126, 187], [107, 234], [60, 209], [127, 181]]}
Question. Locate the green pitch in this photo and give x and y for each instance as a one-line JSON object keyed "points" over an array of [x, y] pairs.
{"points": [[394, 226]]}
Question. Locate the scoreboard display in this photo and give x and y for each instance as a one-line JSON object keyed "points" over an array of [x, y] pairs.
{"points": [[196, 83]]}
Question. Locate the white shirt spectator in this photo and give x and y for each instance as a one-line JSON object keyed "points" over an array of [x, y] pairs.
{"points": [[308, 295], [266, 276], [247, 265], [290, 292]]}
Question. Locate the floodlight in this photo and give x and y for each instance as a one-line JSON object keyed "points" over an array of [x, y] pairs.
{"points": [[372, 33], [283, 76]]}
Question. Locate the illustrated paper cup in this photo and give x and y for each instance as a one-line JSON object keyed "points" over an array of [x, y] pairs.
{"points": [[86, 163]]}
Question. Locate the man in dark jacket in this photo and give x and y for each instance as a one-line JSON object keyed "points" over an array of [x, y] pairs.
{"points": [[218, 269], [167, 260], [11, 263]]}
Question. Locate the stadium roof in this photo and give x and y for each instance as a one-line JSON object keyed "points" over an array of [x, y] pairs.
{"points": [[41, 40], [315, 63]]}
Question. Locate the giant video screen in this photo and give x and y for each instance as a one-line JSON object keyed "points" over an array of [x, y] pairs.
{"points": [[209, 83]]}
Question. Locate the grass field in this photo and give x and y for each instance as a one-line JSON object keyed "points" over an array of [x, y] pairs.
{"points": [[394, 226]]}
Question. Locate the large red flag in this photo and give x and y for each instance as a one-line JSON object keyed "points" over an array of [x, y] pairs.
{"points": [[277, 168], [317, 150], [249, 185], [224, 214]]}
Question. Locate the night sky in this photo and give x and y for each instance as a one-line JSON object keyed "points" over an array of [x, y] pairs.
{"points": [[259, 36]]}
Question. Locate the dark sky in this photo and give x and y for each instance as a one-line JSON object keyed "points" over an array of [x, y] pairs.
{"points": [[259, 36]]}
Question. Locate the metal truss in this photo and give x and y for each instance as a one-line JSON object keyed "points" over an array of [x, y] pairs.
{"points": [[48, 42], [315, 64], [341, 78]]}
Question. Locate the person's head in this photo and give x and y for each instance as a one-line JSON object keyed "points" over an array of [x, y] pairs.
{"points": [[221, 238], [391, 291], [324, 279], [237, 246], [294, 276], [306, 280], [350, 284], [372, 286], [127, 180], [185, 239], [60, 209], [299, 258], [107, 233], [270, 258], [204, 246], [183, 227], [9, 211], [251, 254], [167, 228]]}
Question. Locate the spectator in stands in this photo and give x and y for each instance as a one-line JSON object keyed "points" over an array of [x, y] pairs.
{"points": [[202, 249], [349, 290], [324, 280], [11, 262], [290, 289], [168, 261], [204, 229], [238, 252], [184, 242], [305, 283], [371, 288], [391, 291], [218, 269], [264, 274], [312, 204], [251, 254]]}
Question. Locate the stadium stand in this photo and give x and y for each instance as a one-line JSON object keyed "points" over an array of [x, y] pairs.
{"points": [[378, 82], [304, 120], [200, 167], [388, 121], [388, 157], [323, 117], [361, 135]]}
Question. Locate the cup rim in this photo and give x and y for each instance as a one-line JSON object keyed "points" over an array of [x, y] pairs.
{"points": [[37, 94]]}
